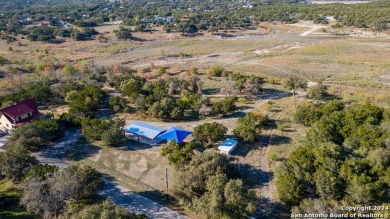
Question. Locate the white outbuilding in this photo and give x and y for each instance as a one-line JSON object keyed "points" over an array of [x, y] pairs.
{"points": [[228, 146]]}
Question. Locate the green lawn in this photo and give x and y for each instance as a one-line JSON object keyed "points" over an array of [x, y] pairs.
{"points": [[9, 202]]}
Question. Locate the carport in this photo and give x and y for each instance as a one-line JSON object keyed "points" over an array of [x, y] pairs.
{"points": [[144, 132]]}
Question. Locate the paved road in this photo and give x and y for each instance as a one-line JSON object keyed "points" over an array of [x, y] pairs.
{"points": [[3, 140], [111, 191], [55, 155], [137, 203]]}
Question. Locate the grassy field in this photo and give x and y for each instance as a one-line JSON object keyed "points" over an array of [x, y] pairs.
{"points": [[9, 202], [275, 50]]}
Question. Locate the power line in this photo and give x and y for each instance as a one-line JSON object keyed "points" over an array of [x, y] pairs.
{"points": [[246, 197], [197, 194]]}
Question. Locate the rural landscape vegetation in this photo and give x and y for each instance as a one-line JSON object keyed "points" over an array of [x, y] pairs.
{"points": [[302, 86]]}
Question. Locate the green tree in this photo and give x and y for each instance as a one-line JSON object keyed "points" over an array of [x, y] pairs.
{"points": [[307, 114], [290, 189], [205, 188], [99, 211], [328, 184], [295, 83], [317, 92], [114, 135], [238, 198], [364, 190], [132, 87], [117, 104], [177, 113], [178, 154], [15, 162], [108, 130], [41, 171], [123, 33], [166, 108], [225, 106], [36, 134], [249, 127], [209, 133], [85, 102], [48, 196]]}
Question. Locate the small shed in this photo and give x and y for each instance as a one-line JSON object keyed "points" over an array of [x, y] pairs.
{"points": [[228, 146], [176, 134], [144, 132]]}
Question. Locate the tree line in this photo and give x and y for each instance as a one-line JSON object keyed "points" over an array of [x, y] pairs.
{"points": [[344, 160]]}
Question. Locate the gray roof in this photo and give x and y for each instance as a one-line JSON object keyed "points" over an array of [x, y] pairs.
{"points": [[144, 129]]}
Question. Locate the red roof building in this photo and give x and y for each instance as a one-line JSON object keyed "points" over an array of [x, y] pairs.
{"points": [[44, 23], [19, 114]]}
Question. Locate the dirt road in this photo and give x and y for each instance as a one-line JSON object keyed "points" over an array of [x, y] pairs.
{"points": [[313, 28], [229, 122]]}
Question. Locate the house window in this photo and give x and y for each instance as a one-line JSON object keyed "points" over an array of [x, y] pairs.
{"points": [[7, 125], [20, 118], [29, 114]]}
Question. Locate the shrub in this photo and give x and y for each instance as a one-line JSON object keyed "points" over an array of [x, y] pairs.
{"points": [[161, 70], [280, 126], [214, 71], [273, 156]]}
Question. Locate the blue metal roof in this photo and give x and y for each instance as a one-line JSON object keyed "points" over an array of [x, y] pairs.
{"points": [[176, 134], [228, 145], [144, 129]]}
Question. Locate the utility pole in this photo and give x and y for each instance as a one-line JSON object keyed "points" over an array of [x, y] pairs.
{"points": [[166, 179]]}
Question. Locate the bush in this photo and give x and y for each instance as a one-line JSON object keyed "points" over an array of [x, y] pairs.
{"points": [[161, 70], [3, 61], [280, 126], [242, 100], [215, 71], [273, 156]]}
